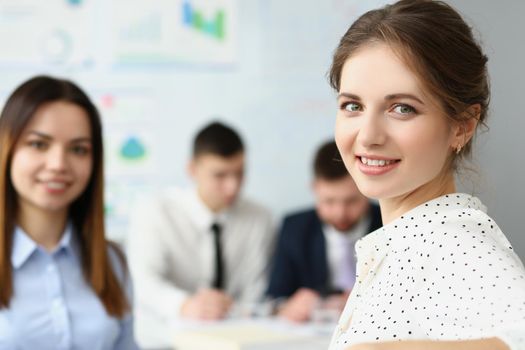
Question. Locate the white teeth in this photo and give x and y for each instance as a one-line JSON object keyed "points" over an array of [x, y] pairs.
{"points": [[55, 185], [376, 162]]}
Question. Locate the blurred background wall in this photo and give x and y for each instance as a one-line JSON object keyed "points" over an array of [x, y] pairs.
{"points": [[499, 159], [160, 69]]}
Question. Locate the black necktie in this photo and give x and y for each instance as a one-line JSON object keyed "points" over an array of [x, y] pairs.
{"points": [[218, 281]]}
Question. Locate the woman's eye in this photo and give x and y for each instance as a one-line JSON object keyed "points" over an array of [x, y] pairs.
{"points": [[352, 107], [80, 150], [404, 109], [36, 144]]}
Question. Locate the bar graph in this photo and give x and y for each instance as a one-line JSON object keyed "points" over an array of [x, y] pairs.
{"points": [[195, 18]]}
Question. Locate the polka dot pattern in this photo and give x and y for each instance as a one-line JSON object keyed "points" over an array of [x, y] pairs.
{"points": [[442, 271]]}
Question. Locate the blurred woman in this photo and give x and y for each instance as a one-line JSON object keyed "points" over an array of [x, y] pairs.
{"points": [[63, 285]]}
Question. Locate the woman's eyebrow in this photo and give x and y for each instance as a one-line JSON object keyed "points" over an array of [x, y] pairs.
{"points": [[348, 95], [49, 137], [39, 134], [402, 95]]}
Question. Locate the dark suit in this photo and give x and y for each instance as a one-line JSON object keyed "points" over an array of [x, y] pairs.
{"points": [[301, 258]]}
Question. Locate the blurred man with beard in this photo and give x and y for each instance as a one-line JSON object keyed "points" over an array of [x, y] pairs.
{"points": [[315, 256]]}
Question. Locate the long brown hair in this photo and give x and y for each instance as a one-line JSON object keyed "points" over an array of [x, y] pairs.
{"points": [[436, 43], [86, 212]]}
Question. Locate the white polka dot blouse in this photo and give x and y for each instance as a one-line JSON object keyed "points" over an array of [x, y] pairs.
{"points": [[442, 271]]}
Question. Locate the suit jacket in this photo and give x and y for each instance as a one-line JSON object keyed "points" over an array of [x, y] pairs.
{"points": [[301, 260]]}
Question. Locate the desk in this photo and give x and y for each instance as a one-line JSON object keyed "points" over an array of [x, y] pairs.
{"points": [[252, 334], [237, 334]]}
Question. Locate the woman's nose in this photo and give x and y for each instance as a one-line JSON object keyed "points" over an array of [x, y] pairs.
{"points": [[56, 159], [372, 130]]}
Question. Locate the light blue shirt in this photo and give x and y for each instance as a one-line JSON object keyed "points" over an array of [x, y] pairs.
{"points": [[53, 307]]}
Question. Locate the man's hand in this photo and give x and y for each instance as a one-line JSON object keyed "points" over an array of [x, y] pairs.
{"points": [[207, 304], [299, 307]]}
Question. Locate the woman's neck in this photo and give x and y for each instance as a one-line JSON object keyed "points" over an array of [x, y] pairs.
{"points": [[44, 227], [392, 208]]}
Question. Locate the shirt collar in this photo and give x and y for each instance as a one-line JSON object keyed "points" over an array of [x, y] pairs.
{"points": [[443, 204], [203, 216], [453, 201], [69, 242], [357, 231], [24, 246]]}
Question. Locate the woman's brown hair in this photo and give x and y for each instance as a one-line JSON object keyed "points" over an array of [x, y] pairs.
{"points": [[436, 43], [86, 212]]}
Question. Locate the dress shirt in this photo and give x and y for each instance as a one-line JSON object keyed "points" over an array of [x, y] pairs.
{"points": [[172, 254], [53, 307], [442, 271], [339, 247]]}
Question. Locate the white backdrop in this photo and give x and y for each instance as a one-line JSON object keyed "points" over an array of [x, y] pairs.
{"points": [[158, 73]]}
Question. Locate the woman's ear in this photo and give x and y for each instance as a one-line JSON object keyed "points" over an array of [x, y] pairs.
{"points": [[465, 128]]}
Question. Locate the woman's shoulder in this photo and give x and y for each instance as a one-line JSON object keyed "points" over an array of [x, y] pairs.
{"points": [[472, 234], [455, 223], [458, 215], [471, 223]]}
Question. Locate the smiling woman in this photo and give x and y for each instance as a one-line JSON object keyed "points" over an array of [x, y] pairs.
{"points": [[393, 135], [412, 88], [62, 284], [52, 162]]}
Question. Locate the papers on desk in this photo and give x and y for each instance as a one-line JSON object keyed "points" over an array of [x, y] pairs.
{"points": [[251, 336]]}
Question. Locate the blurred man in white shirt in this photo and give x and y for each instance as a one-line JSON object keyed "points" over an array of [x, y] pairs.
{"points": [[194, 252]]}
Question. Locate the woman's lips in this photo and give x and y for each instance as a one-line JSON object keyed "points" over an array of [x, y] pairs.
{"points": [[376, 165], [55, 186]]}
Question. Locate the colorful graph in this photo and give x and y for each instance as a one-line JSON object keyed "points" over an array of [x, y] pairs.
{"points": [[195, 19], [74, 2], [133, 149], [173, 31]]}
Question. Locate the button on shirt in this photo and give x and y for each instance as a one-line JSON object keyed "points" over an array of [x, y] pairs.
{"points": [[442, 271], [53, 307]]}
